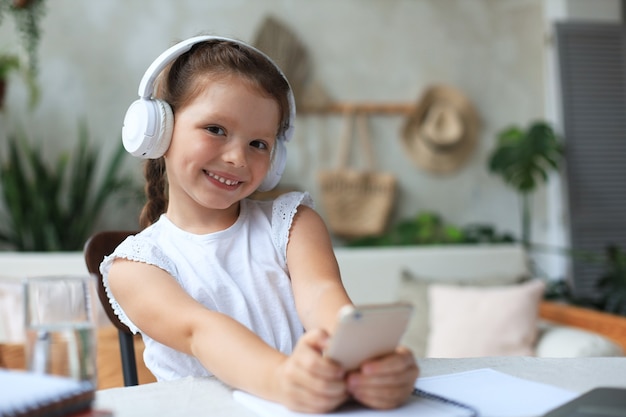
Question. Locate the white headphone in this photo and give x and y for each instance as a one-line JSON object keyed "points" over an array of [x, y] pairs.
{"points": [[148, 123]]}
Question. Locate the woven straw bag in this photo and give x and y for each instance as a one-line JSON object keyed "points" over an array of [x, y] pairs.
{"points": [[357, 202]]}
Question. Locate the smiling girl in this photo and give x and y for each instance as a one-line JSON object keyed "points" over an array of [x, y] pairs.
{"points": [[219, 284]]}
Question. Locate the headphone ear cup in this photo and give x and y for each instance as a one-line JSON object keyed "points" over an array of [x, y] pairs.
{"points": [[166, 126], [279, 160], [147, 130]]}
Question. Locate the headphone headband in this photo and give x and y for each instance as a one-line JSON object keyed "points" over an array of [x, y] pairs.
{"points": [[146, 85]]}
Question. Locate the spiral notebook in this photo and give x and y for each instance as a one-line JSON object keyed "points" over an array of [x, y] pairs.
{"points": [[485, 392], [25, 393]]}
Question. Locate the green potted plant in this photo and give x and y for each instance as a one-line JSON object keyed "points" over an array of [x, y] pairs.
{"points": [[427, 228], [27, 15], [524, 159], [609, 293], [611, 285], [55, 207]]}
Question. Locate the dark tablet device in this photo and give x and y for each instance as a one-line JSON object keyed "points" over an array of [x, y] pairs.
{"points": [[599, 402]]}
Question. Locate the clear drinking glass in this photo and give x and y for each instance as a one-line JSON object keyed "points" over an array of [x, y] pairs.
{"points": [[59, 313]]}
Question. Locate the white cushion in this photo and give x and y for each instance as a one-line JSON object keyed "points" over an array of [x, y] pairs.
{"points": [[414, 289], [483, 321], [571, 342]]}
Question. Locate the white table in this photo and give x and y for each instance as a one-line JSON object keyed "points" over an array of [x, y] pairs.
{"points": [[191, 397]]}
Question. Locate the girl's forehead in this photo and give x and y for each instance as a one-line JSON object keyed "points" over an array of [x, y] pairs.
{"points": [[211, 81], [205, 81]]}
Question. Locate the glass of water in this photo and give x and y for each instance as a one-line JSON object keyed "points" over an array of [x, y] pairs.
{"points": [[59, 313]]}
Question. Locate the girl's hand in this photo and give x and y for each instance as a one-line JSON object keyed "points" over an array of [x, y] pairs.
{"points": [[307, 381], [385, 382]]}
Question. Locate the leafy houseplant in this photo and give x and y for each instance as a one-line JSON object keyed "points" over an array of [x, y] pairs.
{"points": [[54, 207], [610, 287], [523, 158], [430, 229], [27, 15], [612, 283]]}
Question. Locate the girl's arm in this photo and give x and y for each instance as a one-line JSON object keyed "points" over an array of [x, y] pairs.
{"points": [[318, 290], [381, 383], [156, 303]]}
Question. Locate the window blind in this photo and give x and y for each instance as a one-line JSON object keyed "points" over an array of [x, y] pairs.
{"points": [[593, 86]]}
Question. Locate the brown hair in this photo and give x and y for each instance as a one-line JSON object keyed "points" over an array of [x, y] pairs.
{"points": [[184, 79]]}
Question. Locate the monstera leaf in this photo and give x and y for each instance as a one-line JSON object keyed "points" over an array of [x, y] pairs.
{"points": [[524, 159]]}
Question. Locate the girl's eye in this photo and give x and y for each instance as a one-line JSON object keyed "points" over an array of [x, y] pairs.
{"points": [[216, 130], [259, 144]]}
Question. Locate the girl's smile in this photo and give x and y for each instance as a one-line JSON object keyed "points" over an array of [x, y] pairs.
{"points": [[222, 180]]}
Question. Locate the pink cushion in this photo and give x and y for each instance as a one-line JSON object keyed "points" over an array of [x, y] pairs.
{"points": [[467, 321]]}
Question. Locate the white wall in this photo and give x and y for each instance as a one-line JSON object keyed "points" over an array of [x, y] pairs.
{"points": [[94, 53], [596, 10]]}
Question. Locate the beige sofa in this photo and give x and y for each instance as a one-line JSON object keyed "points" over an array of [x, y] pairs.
{"points": [[373, 275], [470, 300]]}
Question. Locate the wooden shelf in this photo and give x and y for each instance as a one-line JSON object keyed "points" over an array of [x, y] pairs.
{"points": [[402, 109], [609, 325]]}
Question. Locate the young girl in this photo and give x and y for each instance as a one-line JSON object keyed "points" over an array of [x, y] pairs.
{"points": [[219, 284]]}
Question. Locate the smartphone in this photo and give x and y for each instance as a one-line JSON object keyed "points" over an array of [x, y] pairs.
{"points": [[367, 331]]}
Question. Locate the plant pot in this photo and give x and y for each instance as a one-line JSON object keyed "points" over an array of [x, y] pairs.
{"points": [[21, 4]]}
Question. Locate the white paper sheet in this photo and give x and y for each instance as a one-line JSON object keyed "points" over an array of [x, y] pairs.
{"points": [[416, 407], [493, 393], [496, 394]]}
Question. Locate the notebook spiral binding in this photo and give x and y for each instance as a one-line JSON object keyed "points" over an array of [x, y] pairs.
{"points": [[425, 394]]}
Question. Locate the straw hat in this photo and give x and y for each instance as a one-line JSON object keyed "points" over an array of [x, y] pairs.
{"points": [[442, 132]]}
